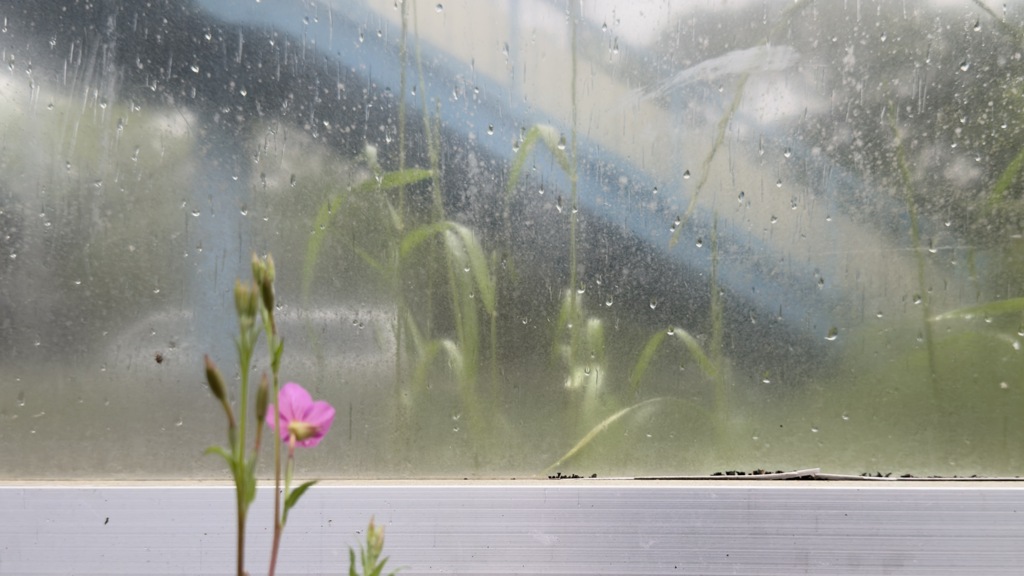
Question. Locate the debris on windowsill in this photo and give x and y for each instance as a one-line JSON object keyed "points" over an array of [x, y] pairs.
{"points": [[804, 474]]}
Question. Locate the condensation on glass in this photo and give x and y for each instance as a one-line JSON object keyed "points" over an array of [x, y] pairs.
{"points": [[518, 238]]}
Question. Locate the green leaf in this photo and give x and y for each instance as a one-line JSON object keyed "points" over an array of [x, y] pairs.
{"points": [[565, 312], [697, 352], [221, 451], [417, 236], [324, 217], [1006, 179], [644, 360], [995, 308], [320, 226], [397, 179], [604, 424], [352, 563], [293, 498], [478, 265], [529, 141], [373, 262]]}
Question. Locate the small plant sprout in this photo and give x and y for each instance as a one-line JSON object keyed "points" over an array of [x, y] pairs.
{"points": [[369, 556]]}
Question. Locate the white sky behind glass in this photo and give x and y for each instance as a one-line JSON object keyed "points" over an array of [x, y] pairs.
{"points": [[639, 22]]}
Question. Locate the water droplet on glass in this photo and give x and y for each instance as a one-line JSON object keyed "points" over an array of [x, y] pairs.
{"points": [[195, 212], [655, 191], [686, 175], [561, 142], [787, 153], [541, 190], [917, 299], [654, 303], [774, 219], [671, 332], [821, 282], [833, 333], [490, 129], [515, 146], [179, 422], [977, 25], [965, 66], [21, 399], [778, 183], [439, 8], [1004, 385], [581, 288], [741, 196], [558, 204], [604, 28], [879, 314], [814, 429], [700, 242], [609, 301], [846, 416], [291, 181], [244, 210]]}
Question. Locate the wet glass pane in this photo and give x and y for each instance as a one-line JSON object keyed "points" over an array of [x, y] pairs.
{"points": [[518, 238]]}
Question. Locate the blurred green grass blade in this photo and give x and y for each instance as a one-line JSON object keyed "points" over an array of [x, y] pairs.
{"points": [[417, 236], [325, 216], [697, 352], [607, 422], [996, 308], [477, 264], [1006, 179], [644, 360]]}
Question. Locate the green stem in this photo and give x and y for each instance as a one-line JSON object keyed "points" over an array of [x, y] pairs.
{"points": [[245, 345], [241, 535], [280, 519]]}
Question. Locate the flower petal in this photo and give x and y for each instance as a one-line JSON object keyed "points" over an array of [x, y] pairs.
{"points": [[293, 401]]}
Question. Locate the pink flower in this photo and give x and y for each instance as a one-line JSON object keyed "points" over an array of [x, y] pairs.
{"points": [[303, 421]]}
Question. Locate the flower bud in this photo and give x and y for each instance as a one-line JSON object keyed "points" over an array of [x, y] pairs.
{"points": [[262, 399], [374, 539], [267, 291], [258, 268], [270, 268], [245, 300], [214, 380], [241, 297]]}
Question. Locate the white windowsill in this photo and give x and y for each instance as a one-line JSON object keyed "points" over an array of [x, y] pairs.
{"points": [[526, 527]]}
